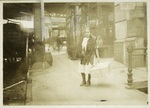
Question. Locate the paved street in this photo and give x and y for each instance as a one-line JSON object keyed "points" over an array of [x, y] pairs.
{"points": [[59, 84]]}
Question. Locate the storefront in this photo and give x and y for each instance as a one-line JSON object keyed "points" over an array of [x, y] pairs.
{"points": [[99, 17]]}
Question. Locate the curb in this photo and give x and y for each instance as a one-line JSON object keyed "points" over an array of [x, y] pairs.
{"points": [[29, 89]]}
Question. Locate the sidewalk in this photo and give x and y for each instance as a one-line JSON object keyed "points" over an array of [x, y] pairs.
{"points": [[59, 85]]}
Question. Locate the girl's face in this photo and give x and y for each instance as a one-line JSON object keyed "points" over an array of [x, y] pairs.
{"points": [[87, 33]]}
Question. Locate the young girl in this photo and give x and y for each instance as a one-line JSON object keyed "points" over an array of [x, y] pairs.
{"points": [[88, 52]]}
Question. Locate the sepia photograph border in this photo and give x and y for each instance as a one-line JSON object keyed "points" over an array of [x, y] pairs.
{"points": [[61, 1]]}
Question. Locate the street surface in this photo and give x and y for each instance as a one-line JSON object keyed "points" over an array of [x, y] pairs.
{"points": [[59, 84]]}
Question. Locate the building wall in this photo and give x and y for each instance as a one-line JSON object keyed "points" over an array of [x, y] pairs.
{"points": [[130, 26]]}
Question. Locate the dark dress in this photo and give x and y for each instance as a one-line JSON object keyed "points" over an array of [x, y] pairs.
{"points": [[88, 57]]}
